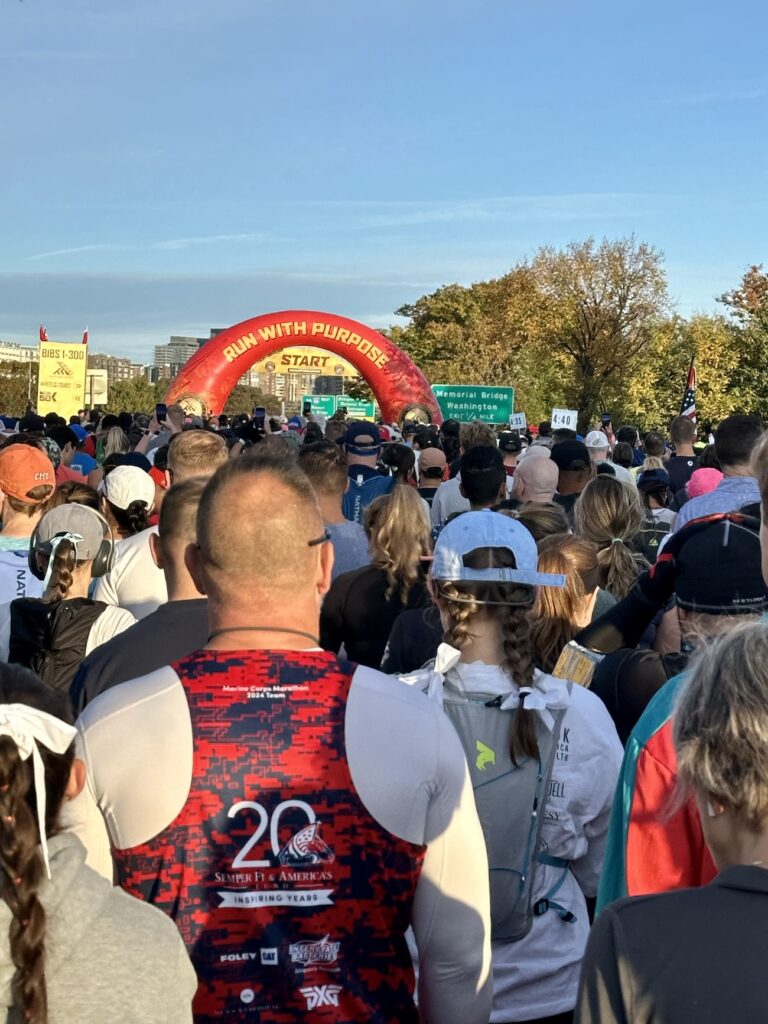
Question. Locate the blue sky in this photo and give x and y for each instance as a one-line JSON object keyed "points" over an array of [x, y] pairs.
{"points": [[169, 166]]}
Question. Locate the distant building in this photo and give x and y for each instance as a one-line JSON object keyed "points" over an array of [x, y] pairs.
{"points": [[10, 352], [328, 385], [118, 367], [176, 352]]}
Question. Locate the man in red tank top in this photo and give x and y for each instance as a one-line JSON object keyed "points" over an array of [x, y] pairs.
{"points": [[293, 814]]}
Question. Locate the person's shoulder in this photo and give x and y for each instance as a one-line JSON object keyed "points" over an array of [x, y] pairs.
{"points": [[591, 713], [657, 714], [363, 574], [651, 909], [129, 547], [386, 696], [126, 697], [116, 618], [403, 751]]}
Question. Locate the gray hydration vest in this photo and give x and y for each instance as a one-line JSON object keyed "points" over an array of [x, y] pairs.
{"points": [[511, 800]]}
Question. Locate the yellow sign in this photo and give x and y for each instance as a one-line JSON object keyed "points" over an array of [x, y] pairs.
{"points": [[306, 360], [61, 386]]}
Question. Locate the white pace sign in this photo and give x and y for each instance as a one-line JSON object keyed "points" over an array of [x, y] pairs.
{"points": [[517, 421], [564, 419]]}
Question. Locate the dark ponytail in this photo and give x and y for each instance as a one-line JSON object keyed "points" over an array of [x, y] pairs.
{"points": [[130, 520]]}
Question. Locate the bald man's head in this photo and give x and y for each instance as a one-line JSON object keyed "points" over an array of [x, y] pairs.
{"points": [[535, 480], [257, 517]]}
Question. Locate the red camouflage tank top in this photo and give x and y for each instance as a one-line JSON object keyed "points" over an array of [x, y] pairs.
{"points": [[289, 895]]}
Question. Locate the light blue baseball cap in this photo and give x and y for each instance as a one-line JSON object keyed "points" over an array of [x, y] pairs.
{"points": [[487, 529]]}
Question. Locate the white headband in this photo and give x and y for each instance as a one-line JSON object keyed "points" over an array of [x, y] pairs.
{"points": [[73, 538], [27, 727]]}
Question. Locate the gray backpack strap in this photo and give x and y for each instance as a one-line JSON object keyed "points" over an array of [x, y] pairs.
{"points": [[510, 799]]}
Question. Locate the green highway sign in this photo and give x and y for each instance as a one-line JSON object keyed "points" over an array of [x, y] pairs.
{"points": [[475, 402], [324, 404], [357, 410]]}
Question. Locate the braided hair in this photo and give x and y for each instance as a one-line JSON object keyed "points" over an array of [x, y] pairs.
{"points": [[62, 572], [21, 863], [465, 602]]}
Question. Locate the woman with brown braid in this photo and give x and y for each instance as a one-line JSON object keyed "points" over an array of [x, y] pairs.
{"points": [[51, 635], [543, 756], [73, 949]]}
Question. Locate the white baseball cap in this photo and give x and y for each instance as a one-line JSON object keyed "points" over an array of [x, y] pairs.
{"points": [[487, 529], [125, 484], [596, 439]]}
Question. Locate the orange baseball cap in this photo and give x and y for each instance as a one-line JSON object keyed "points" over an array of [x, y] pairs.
{"points": [[23, 467]]}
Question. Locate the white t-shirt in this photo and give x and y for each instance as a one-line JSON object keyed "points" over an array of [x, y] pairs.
{"points": [[448, 499], [134, 581], [407, 766], [538, 976], [111, 622]]}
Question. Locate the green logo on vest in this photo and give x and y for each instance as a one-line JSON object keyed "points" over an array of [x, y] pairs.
{"points": [[485, 756]]}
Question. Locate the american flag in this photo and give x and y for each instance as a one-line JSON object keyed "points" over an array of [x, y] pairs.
{"points": [[688, 404]]}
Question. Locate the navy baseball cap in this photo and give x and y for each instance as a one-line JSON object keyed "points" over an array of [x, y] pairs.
{"points": [[362, 439], [653, 479]]}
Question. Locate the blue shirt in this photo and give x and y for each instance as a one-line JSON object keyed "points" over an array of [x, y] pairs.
{"points": [[84, 463], [350, 547], [729, 496]]}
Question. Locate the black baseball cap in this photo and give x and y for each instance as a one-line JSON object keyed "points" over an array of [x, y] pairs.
{"points": [[653, 480], [570, 456], [719, 569], [509, 441]]}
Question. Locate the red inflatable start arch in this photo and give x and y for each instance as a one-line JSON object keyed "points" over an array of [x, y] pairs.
{"points": [[401, 389]]}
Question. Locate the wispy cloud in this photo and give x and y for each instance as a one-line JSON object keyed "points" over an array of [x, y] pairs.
{"points": [[724, 95], [165, 245], [67, 252], [187, 243], [534, 208]]}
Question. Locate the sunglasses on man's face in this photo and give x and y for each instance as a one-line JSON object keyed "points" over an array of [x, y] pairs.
{"points": [[320, 540]]}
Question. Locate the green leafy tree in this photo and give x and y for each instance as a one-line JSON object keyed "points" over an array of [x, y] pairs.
{"points": [[748, 307], [358, 388], [245, 399], [564, 328], [597, 308], [136, 395], [18, 383]]}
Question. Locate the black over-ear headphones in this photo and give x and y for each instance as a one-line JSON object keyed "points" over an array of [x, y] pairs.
{"points": [[102, 561]]}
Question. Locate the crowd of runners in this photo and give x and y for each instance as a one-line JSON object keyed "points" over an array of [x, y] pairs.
{"points": [[340, 722]]}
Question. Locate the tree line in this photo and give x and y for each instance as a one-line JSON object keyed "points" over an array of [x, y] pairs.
{"points": [[592, 327]]}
